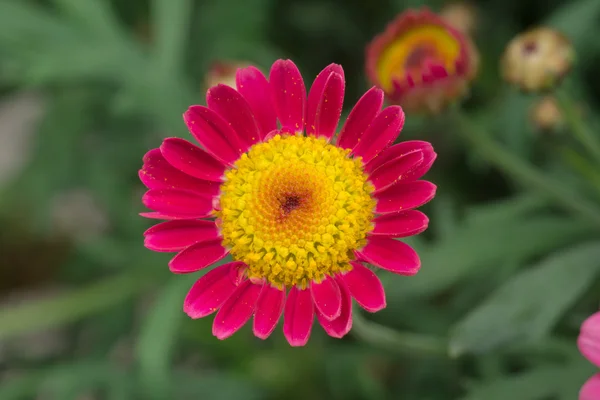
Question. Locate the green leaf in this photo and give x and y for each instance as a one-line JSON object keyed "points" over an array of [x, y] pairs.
{"points": [[528, 306], [94, 16], [444, 215], [213, 386], [20, 20], [245, 24], [69, 381], [556, 382], [348, 375], [71, 306], [516, 240], [576, 20], [511, 125], [171, 20], [158, 336], [505, 210]]}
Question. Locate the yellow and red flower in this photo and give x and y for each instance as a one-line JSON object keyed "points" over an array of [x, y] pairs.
{"points": [[421, 62]]}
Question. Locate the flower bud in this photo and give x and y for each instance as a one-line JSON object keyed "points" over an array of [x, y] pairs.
{"points": [[537, 60]]}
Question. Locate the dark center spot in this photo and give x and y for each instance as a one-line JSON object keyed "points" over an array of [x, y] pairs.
{"points": [[529, 47], [290, 203]]}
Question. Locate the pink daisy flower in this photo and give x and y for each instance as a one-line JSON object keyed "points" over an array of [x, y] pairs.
{"points": [[589, 345], [300, 216]]}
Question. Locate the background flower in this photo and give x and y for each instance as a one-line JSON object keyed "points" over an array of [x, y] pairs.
{"points": [[421, 62], [589, 345]]}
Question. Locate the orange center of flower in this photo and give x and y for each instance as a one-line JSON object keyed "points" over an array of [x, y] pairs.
{"points": [[409, 53], [294, 208]]}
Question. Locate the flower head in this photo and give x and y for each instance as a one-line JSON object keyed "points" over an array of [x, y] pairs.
{"points": [[299, 215], [421, 62], [537, 59], [589, 345]]}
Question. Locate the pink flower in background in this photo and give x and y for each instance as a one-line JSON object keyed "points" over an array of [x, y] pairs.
{"points": [[589, 345], [299, 215], [421, 62]]}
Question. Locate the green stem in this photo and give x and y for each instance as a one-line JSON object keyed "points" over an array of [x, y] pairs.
{"points": [[398, 342], [523, 172], [577, 126]]}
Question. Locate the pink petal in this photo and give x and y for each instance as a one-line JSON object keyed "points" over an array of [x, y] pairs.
{"points": [[340, 326], [418, 169], [404, 196], [229, 104], [298, 317], [197, 257], [157, 173], [253, 85], [402, 224], [325, 101], [177, 235], [192, 160], [384, 129], [327, 298], [178, 203], [391, 255], [365, 287], [589, 339], [236, 311], [210, 292], [395, 170], [359, 119], [268, 311], [289, 94], [422, 168], [214, 133], [399, 150], [591, 389]]}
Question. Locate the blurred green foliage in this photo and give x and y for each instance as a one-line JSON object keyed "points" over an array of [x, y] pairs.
{"points": [[510, 263]]}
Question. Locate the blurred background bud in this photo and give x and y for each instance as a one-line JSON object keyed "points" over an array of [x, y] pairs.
{"points": [[546, 115], [462, 16], [223, 72], [537, 60]]}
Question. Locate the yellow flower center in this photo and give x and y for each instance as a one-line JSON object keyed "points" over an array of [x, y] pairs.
{"points": [[406, 55], [294, 208]]}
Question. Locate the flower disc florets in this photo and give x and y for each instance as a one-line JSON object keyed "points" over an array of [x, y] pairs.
{"points": [[294, 208]]}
